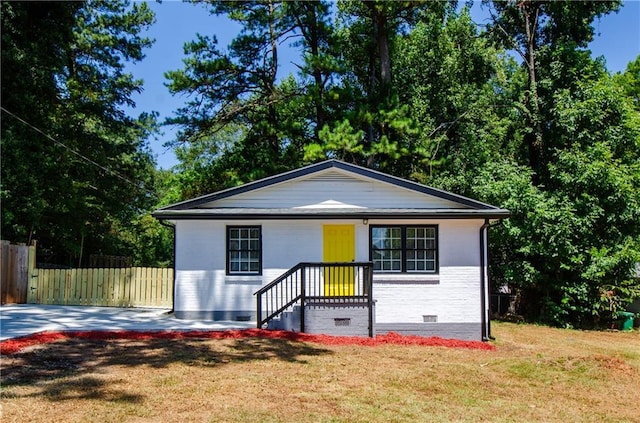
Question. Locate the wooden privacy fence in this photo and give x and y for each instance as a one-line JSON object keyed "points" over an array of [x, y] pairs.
{"points": [[115, 287], [15, 262], [21, 282]]}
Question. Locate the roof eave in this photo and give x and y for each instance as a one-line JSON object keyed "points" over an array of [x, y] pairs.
{"points": [[497, 214]]}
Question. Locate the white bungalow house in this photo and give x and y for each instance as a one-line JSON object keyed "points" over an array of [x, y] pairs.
{"points": [[335, 248]]}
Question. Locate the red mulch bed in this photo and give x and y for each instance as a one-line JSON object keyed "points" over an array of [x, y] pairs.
{"points": [[12, 346]]}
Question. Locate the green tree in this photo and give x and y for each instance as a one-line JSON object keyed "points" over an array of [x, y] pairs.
{"points": [[320, 64], [579, 141], [372, 119], [451, 79], [629, 81], [238, 85], [414, 89], [74, 165], [29, 67], [570, 252], [145, 239], [598, 174], [199, 161], [551, 39]]}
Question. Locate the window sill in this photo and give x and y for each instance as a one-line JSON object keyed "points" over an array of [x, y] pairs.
{"points": [[243, 279], [407, 279]]}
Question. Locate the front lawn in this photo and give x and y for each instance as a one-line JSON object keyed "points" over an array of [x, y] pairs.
{"points": [[534, 374]]}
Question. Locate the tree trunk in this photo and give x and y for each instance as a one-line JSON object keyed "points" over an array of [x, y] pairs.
{"points": [[274, 144], [382, 41], [535, 140], [314, 45]]}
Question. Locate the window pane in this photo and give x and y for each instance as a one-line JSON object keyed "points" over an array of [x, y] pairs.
{"points": [[378, 233], [430, 265], [386, 245], [244, 249], [416, 251]]}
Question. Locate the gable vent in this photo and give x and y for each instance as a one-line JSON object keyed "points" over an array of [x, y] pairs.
{"points": [[332, 178]]}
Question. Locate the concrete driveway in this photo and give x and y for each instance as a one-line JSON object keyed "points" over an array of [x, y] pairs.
{"points": [[26, 319]]}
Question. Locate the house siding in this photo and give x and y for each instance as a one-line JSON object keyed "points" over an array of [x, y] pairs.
{"points": [[204, 291], [452, 297], [333, 185]]}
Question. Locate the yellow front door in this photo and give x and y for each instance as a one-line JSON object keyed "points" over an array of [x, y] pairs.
{"points": [[339, 247]]}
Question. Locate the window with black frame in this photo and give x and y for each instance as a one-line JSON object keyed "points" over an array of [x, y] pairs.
{"points": [[244, 250], [404, 249]]}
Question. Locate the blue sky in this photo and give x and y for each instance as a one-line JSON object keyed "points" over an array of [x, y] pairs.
{"points": [[617, 39]]}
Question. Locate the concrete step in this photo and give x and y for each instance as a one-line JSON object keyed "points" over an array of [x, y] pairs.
{"points": [[288, 320]]}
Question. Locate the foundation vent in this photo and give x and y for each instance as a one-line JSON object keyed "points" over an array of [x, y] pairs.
{"points": [[430, 318], [342, 322]]}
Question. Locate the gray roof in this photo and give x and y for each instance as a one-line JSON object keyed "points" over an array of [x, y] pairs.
{"points": [[192, 209], [305, 213]]}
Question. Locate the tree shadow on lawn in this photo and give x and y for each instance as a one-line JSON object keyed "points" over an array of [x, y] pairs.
{"points": [[67, 370]]}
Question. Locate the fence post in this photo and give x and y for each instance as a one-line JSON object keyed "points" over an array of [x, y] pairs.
{"points": [[259, 310], [4, 271], [369, 275], [32, 286], [303, 295]]}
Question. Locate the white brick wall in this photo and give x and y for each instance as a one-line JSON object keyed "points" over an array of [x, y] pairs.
{"points": [[453, 295], [455, 298]]}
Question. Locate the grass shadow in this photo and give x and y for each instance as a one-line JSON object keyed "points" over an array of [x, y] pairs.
{"points": [[71, 369]]}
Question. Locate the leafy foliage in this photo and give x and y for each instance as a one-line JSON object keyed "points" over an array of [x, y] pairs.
{"points": [[75, 166]]}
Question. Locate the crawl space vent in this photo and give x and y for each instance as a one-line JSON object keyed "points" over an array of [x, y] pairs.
{"points": [[430, 318], [342, 322]]}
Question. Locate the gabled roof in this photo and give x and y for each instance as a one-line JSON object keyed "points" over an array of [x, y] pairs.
{"points": [[193, 209]]}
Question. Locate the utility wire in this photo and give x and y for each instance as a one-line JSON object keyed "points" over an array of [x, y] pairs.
{"points": [[85, 158]]}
